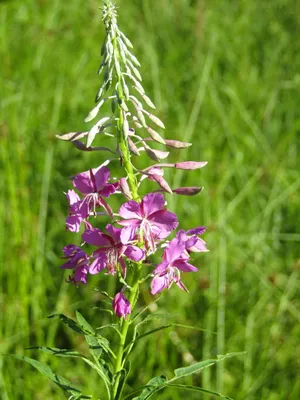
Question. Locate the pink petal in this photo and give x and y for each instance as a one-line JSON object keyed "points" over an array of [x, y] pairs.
{"points": [[159, 283], [96, 238], [129, 222], [131, 209], [108, 189], [72, 197], [128, 234], [165, 220], [199, 246], [98, 265], [134, 253], [101, 177], [174, 250], [196, 231], [114, 232], [83, 183], [80, 274], [151, 203], [184, 266], [73, 223]]}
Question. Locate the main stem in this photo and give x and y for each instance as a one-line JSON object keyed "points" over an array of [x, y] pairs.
{"points": [[133, 279]]}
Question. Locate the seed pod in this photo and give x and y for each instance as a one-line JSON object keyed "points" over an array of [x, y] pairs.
{"points": [[155, 136], [92, 114], [133, 58], [117, 66], [72, 136], [81, 146], [188, 191], [132, 147], [176, 144], [190, 165]]}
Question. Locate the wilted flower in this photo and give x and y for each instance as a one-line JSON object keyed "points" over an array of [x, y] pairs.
{"points": [[121, 305], [111, 251], [174, 260], [150, 217], [78, 261]]}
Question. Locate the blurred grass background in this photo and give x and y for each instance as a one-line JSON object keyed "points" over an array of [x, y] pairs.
{"points": [[224, 75]]}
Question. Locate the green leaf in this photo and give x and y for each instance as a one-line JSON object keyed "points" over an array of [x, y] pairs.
{"points": [[57, 352], [197, 367], [69, 323], [84, 324], [151, 387], [197, 389], [57, 379], [94, 348], [122, 380]]}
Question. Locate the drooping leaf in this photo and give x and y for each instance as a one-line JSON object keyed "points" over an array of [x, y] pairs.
{"points": [[151, 387], [69, 323], [197, 367], [57, 352], [57, 379], [196, 389]]}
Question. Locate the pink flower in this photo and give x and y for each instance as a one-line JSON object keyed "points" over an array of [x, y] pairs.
{"points": [[150, 217], [111, 251], [191, 239], [78, 261], [93, 185], [121, 305], [174, 260]]}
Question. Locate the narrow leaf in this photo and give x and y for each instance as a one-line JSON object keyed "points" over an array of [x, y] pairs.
{"points": [[196, 389], [70, 323], [152, 385], [199, 366], [57, 379], [84, 324]]}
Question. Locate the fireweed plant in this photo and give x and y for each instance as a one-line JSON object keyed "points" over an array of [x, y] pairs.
{"points": [[140, 229]]}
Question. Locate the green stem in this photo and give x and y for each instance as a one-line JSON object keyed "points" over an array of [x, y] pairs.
{"points": [[134, 273], [124, 328]]}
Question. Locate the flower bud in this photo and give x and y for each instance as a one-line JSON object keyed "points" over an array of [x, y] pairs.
{"points": [[187, 191], [190, 165], [125, 188], [121, 305]]}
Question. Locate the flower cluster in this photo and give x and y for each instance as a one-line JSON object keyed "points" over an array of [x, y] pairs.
{"points": [[142, 227], [145, 228]]}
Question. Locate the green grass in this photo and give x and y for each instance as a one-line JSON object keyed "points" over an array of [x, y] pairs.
{"points": [[224, 75]]}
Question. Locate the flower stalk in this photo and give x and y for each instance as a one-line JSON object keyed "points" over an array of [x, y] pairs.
{"points": [[145, 221]]}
